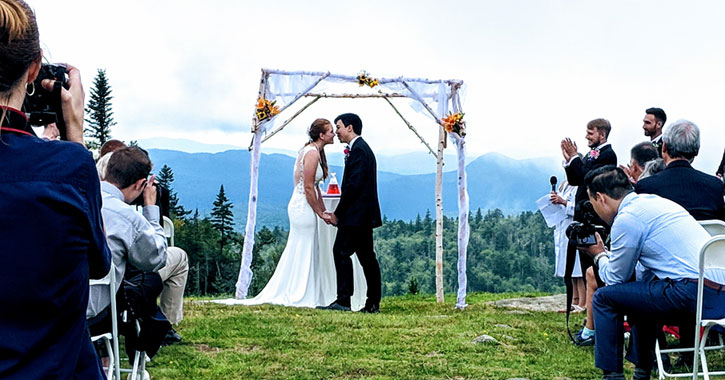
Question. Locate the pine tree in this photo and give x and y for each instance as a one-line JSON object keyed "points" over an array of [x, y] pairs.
{"points": [[222, 218], [99, 111], [166, 179]]}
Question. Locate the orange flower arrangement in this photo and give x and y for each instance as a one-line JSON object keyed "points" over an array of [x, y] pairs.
{"points": [[454, 123], [365, 79], [266, 109]]}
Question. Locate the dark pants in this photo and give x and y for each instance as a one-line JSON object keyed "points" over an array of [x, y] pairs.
{"points": [[646, 304], [356, 240], [137, 294]]}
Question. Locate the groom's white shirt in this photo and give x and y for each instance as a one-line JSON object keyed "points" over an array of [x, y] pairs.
{"points": [[349, 146]]}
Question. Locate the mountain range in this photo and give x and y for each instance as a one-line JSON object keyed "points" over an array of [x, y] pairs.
{"points": [[406, 183]]}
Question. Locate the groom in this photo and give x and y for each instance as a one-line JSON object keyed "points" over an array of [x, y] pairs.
{"points": [[355, 217]]}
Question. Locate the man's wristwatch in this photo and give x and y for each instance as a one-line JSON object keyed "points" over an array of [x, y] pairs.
{"points": [[599, 256]]}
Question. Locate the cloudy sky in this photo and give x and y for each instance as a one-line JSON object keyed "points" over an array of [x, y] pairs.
{"points": [[535, 71]]}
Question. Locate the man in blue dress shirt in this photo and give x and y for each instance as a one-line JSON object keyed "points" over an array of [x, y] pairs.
{"points": [[666, 240]]}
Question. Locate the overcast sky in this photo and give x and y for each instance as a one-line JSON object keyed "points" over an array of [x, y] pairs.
{"points": [[535, 71]]}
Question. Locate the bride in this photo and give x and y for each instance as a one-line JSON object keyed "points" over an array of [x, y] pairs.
{"points": [[303, 276]]}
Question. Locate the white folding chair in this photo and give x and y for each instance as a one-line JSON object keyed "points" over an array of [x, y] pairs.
{"points": [[114, 366], [714, 226], [114, 370], [169, 230], [712, 256]]}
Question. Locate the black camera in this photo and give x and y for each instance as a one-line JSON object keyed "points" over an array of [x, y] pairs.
{"points": [[583, 232], [162, 199], [44, 107]]}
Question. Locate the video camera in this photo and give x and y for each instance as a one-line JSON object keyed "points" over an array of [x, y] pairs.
{"points": [[44, 107], [583, 232]]}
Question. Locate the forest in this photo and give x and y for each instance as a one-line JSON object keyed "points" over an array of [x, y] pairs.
{"points": [[505, 253]]}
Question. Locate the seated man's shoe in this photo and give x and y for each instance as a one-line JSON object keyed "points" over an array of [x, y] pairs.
{"points": [[172, 337], [613, 376], [581, 341], [641, 374], [335, 306], [370, 309]]}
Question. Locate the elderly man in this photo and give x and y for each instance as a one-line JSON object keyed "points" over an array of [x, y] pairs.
{"points": [[666, 240], [680, 145], [640, 155]]}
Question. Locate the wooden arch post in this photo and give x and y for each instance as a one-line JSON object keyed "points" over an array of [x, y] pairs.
{"points": [[261, 135]]}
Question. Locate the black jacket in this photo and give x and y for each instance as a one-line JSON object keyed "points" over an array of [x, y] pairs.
{"points": [[579, 168], [699, 193], [359, 206]]}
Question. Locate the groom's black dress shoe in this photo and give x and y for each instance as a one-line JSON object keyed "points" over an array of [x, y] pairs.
{"points": [[370, 309], [334, 306]]}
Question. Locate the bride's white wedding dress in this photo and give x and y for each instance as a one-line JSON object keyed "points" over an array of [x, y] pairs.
{"points": [[305, 274]]}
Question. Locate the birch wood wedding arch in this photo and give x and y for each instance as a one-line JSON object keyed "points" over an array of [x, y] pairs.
{"points": [[287, 87]]}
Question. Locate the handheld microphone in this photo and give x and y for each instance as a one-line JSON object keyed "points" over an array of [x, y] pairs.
{"points": [[552, 180]]}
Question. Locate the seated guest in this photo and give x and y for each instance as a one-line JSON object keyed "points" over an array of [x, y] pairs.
{"points": [[664, 239], [640, 155], [105, 152], [51, 233], [681, 143], [174, 273], [652, 167], [136, 241]]}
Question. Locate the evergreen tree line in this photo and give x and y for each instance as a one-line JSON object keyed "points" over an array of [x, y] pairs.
{"points": [[505, 253]]}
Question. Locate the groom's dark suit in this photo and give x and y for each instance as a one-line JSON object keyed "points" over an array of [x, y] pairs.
{"points": [[357, 214]]}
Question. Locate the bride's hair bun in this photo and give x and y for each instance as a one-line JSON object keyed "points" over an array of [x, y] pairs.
{"points": [[318, 127]]}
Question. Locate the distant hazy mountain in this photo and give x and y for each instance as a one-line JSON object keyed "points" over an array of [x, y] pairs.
{"points": [[410, 163], [184, 145], [494, 181]]}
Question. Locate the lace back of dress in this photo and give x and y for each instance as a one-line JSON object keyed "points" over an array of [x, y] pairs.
{"points": [[300, 169]]}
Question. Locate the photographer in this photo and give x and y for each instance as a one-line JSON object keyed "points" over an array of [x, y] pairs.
{"points": [[665, 240], [50, 230], [137, 241]]}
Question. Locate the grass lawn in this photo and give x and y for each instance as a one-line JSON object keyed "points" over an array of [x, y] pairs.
{"points": [[413, 338]]}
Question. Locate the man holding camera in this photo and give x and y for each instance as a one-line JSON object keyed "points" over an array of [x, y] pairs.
{"points": [[136, 241], [665, 240]]}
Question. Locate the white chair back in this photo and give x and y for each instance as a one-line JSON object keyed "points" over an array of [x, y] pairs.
{"points": [[169, 230], [714, 226]]}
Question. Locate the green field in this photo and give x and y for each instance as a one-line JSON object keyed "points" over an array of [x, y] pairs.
{"points": [[413, 338]]}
